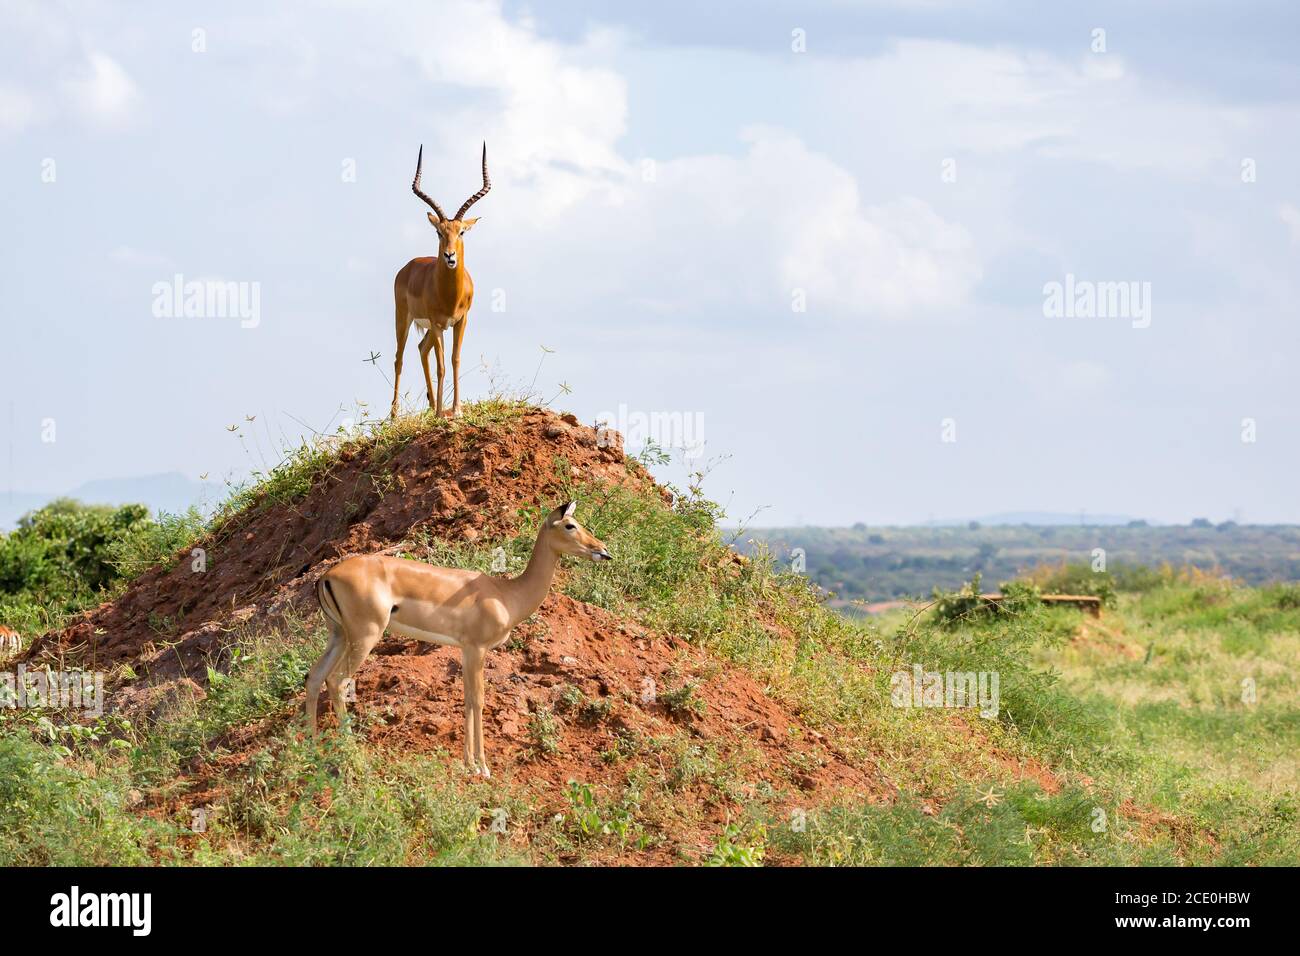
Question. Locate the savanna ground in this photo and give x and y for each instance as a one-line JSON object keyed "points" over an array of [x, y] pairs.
{"points": [[1164, 733]]}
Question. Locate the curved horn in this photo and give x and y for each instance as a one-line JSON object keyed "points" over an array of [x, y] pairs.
{"points": [[487, 185], [415, 186]]}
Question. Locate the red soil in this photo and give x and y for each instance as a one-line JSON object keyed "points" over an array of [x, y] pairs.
{"points": [[459, 485]]}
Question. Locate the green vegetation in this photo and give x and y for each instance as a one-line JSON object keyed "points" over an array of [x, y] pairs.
{"points": [[544, 732], [1165, 732], [1198, 685], [55, 811], [67, 556], [684, 701]]}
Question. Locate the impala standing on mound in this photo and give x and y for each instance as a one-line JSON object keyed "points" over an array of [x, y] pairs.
{"points": [[362, 596], [436, 293]]}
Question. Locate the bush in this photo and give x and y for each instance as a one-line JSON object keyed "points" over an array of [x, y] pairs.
{"points": [[62, 557], [1075, 578], [1284, 597], [970, 634], [965, 605], [64, 548]]}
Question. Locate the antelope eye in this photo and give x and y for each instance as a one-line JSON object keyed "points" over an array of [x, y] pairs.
{"points": [[569, 527]]}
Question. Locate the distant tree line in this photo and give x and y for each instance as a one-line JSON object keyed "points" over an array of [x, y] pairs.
{"points": [[874, 564]]}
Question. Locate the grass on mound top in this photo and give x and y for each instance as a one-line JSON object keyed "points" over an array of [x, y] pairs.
{"points": [[378, 439]]}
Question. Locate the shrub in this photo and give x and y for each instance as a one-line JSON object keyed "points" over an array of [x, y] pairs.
{"points": [[952, 608], [64, 556], [64, 548], [1284, 597], [1076, 578]]}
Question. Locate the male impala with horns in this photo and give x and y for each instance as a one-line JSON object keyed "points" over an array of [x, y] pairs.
{"points": [[435, 293]]}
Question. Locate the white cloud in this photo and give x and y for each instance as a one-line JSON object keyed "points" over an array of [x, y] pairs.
{"points": [[885, 259], [103, 93], [17, 110], [1053, 380], [733, 237], [703, 229], [946, 95], [555, 116], [1290, 216], [798, 215]]}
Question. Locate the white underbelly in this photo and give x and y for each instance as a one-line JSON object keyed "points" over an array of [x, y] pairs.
{"points": [[422, 324], [406, 630]]}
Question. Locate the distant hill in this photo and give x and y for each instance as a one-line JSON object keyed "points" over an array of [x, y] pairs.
{"points": [[169, 491], [1038, 518]]}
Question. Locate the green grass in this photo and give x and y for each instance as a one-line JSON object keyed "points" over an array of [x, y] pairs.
{"points": [[343, 804], [1012, 826], [55, 811], [1200, 684]]}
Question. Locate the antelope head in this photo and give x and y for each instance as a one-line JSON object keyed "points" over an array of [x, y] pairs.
{"points": [[563, 534], [451, 244]]}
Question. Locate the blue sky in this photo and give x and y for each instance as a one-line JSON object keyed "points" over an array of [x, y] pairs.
{"points": [[827, 259]]}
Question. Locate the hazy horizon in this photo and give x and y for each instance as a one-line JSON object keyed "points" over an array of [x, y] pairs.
{"points": [[164, 491], [863, 252]]}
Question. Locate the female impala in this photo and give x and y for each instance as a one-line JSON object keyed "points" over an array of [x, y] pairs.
{"points": [[475, 612], [436, 293]]}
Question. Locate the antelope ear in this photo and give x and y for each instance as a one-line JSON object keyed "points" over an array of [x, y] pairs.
{"points": [[433, 220], [467, 224], [570, 508]]}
